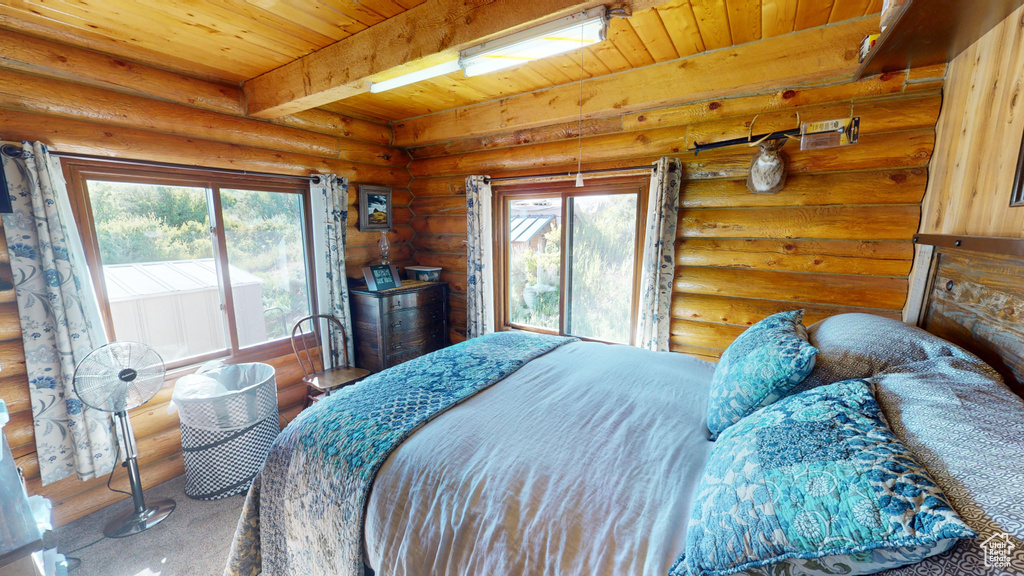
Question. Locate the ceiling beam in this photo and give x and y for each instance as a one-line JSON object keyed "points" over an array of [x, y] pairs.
{"points": [[422, 36], [827, 53]]}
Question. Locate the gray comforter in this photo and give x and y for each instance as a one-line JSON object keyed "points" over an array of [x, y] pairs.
{"points": [[584, 461]]}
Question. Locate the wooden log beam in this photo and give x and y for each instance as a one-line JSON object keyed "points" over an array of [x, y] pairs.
{"points": [[14, 392], [422, 36], [747, 311], [893, 150], [12, 355], [703, 334], [428, 205], [34, 55], [835, 289], [450, 243], [444, 186], [908, 149], [400, 234], [317, 120], [91, 138], [36, 94], [792, 60], [10, 322], [456, 281], [20, 433], [30, 54], [899, 114], [874, 151], [453, 262], [903, 112], [865, 97], [905, 186], [708, 354], [894, 222], [825, 256], [440, 225]]}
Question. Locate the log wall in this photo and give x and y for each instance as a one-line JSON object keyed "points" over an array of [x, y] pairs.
{"points": [[80, 101], [836, 239]]}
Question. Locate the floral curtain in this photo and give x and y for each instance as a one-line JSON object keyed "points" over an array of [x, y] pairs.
{"points": [[658, 266], [60, 318], [480, 263], [329, 199]]}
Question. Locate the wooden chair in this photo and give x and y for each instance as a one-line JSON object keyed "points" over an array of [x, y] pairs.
{"points": [[306, 342]]}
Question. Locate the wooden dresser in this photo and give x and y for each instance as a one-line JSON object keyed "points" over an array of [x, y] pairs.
{"points": [[396, 325]]}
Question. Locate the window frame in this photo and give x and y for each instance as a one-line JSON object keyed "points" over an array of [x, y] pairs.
{"points": [[503, 194], [78, 172]]}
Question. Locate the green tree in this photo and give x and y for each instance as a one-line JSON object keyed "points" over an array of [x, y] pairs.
{"points": [[603, 234]]}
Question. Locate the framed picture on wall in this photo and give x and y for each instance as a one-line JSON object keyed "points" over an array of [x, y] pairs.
{"points": [[374, 208], [1017, 199]]}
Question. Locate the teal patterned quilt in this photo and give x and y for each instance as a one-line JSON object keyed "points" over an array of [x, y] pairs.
{"points": [[819, 482], [305, 513]]}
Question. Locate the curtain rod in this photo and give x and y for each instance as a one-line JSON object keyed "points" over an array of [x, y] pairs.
{"points": [[571, 174], [153, 164]]}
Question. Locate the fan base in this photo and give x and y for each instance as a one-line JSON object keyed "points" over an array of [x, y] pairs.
{"points": [[129, 523]]}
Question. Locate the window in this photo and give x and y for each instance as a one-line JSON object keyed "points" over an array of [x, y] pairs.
{"points": [[569, 258], [197, 265]]}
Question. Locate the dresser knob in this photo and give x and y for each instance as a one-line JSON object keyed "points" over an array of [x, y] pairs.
{"points": [[397, 346], [397, 324]]}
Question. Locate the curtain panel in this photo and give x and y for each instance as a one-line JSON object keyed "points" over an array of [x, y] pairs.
{"points": [[658, 264], [480, 258], [59, 313], [329, 201]]}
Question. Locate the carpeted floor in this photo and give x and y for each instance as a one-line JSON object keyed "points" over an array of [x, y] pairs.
{"points": [[193, 541]]}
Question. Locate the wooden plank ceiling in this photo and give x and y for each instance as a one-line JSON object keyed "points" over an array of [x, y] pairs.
{"points": [[222, 40], [231, 41], [676, 29]]}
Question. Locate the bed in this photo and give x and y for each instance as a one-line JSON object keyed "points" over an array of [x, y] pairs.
{"points": [[555, 456]]}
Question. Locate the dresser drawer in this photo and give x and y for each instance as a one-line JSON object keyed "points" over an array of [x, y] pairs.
{"points": [[400, 356], [409, 339], [434, 295], [406, 319]]}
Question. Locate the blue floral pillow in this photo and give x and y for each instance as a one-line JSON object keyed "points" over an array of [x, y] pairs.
{"points": [[815, 484], [758, 368]]}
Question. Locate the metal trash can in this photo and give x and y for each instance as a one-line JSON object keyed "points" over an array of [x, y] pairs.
{"points": [[228, 423]]}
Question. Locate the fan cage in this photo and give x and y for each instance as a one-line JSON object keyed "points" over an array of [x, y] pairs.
{"points": [[119, 376]]}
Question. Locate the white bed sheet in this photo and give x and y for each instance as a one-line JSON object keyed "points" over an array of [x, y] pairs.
{"points": [[583, 462]]}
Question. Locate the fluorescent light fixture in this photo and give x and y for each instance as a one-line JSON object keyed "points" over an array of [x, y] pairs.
{"points": [[556, 37], [432, 72]]}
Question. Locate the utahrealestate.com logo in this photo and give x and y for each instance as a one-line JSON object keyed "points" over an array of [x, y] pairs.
{"points": [[998, 550]]}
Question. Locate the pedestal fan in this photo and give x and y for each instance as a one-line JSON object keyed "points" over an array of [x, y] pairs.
{"points": [[118, 377]]}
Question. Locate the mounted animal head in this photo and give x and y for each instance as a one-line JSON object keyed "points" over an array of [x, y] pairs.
{"points": [[768, 168]]}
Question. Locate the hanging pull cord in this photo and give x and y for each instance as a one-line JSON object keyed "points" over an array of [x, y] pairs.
{"points": [[579, 126]]}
